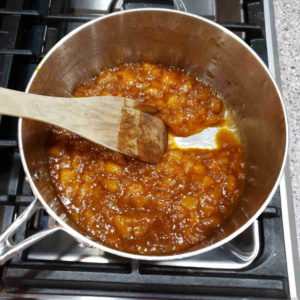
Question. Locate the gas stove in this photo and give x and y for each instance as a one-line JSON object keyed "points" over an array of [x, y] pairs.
{"points": [[261, 263]]}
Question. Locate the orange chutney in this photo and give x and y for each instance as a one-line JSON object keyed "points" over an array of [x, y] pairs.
{"points": [[143, 208]]}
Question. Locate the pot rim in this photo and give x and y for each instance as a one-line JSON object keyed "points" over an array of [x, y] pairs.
{"points": [[87, 241]]}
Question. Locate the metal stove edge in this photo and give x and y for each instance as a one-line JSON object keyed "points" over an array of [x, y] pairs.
{"points": [[288, 213]]}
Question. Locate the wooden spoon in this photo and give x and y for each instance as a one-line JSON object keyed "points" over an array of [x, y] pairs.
{"points": [[118, 123]]}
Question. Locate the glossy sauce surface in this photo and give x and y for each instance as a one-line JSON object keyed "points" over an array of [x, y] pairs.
{"points": [[138, 207]]}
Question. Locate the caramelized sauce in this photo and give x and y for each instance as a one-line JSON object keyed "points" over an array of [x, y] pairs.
{"points": [[138, 207]]}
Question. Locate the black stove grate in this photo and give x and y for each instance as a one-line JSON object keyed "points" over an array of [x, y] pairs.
{"points": [[28, 29]]}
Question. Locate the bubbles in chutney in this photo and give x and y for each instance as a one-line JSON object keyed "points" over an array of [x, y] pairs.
{"points": [[143, 208]]}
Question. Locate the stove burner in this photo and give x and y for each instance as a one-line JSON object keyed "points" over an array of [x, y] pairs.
{"points": [[237, 254]]}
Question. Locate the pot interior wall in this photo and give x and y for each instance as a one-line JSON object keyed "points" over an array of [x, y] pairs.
{"points": [[170, 38]]}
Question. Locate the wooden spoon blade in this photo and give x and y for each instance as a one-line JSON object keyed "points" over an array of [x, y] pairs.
{"points": [[142, 135], [140, 106]]}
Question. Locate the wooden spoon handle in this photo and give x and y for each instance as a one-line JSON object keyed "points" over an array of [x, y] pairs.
{"points": [[20, 104], [69, 113], [54, 110]]}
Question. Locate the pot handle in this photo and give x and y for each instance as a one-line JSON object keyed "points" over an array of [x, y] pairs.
{"points": [[8, 248]]}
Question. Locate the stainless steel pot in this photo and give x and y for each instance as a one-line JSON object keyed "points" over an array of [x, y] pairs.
{"points": [[201, 47]]}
